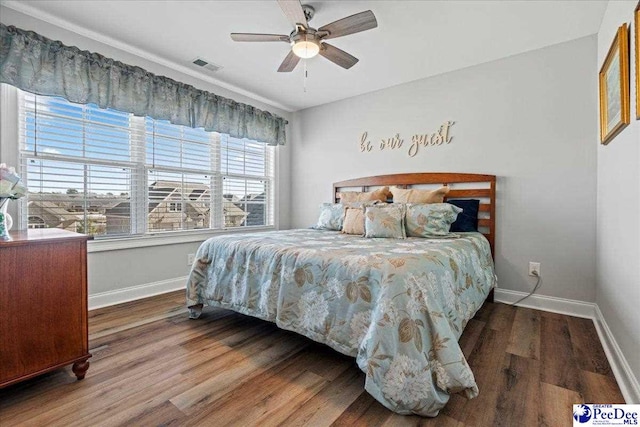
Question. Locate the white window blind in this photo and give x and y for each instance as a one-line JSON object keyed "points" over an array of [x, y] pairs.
{"points": [[78, 161], [182, 176], [247, 169], [108, 173]]}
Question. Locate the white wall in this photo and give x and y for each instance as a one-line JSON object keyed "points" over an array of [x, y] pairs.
{"points": [[117, 270], [618, 211], [530, 119]]}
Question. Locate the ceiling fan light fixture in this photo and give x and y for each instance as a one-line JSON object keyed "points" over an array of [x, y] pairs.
{"points": [[306, 49]]}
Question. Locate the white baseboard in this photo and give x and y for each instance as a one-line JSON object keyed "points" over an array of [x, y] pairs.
{"points": [[569, 307], [118, 296], [627, 382]]}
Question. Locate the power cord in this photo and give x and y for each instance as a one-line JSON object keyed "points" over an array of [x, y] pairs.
{"points": [[535, 288]]}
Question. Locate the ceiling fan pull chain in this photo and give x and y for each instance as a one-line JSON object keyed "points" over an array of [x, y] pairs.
{"points": [[305, 76]]}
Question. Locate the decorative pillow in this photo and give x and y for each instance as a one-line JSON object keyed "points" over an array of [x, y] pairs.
{"points": [[361, 204], [468, 218], [431, 220], [419, 196], [357, 196], [331, 216], [353, 221], [385, 221]]}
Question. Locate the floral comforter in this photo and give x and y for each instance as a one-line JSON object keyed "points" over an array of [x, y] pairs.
{"points": [[398, 306]]}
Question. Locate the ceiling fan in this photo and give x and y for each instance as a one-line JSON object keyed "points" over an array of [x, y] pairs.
{"points": [[307, 42]]}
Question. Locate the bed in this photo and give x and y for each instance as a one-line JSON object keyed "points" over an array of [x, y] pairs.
{"points": [[398, 306]]}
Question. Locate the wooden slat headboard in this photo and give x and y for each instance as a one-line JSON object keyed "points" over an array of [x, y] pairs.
{"points": [[487, 195]]}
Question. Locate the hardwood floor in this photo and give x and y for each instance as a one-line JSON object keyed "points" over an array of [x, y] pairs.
{"points": [[153, 366]]}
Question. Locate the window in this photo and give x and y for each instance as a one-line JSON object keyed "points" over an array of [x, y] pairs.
{"points": [[175, 207], [112, 174], [36, 222], [245, 186]]}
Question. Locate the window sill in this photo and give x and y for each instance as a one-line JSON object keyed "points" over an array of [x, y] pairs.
{"points": [[163, 239]]}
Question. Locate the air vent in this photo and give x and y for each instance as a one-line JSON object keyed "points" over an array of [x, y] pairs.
{"points": [[208, 65]]}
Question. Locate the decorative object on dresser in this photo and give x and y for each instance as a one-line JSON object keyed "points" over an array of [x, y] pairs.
{"points": [[43, 304], [6, 222], [614, 87], [11, 188]]}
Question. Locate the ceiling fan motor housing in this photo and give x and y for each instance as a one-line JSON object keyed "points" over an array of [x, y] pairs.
{"points": [[308, 35]]}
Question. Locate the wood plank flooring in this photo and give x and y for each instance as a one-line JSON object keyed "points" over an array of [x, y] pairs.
{"points": [[153, 366]]}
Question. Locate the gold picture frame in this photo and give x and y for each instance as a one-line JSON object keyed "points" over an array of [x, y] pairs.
{"points": [[636, 23], [614, 87]]}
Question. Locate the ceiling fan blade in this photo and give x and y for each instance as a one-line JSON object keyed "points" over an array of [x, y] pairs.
{"points": [[351, 24], [293, 10], [338, 56], [289, 63], [250, 37]]}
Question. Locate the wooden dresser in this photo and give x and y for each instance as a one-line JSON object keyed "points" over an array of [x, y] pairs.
{"points": [[43, 304]]}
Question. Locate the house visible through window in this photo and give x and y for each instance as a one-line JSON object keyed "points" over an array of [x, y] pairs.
{"points": [[36, 222], [175, 207], [108, 173]]}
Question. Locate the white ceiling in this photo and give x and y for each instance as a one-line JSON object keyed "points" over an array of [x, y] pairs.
{"points": [[414, 39]]}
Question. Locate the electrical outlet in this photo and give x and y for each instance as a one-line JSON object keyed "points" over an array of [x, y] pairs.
{"points": [[190, 259], [534, 268]]}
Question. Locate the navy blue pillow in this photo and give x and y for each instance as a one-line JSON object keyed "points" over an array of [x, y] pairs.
{"points": [[467, 219]]}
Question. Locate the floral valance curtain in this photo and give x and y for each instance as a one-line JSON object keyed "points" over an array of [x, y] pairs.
{"points": [[42, 66]]}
